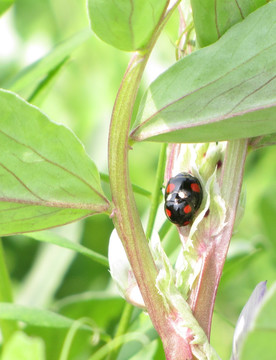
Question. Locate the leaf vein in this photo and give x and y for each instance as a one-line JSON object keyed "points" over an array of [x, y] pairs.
{"points": [[21, 182], [198, 89], [240, 10], [251, 93], [216, 18], [58, 204], [55, 164], [225, 92]]}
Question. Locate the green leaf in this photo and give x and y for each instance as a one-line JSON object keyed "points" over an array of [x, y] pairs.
{"points": [[24, 347], [4, 5], [46, 177], [52, 238], [38, 94], [260, 342], [221, 92], [148, 351], [263, 141], [213, 18], [118, 341], [104, 307], [36, 317], [34, 72], [125, 24]]}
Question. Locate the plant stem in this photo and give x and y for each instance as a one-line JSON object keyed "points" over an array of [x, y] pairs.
{"points": [[113, 344], [156, 191], [137, 189], [125, 215], [165, 228], [155, 196], [122, 328], [230, 182], [8, 327]]}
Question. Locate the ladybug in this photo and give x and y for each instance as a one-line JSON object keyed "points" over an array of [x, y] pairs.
{"points": [[183, 197]]}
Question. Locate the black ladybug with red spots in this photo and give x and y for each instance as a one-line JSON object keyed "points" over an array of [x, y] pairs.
{"points": [[183, 197]]}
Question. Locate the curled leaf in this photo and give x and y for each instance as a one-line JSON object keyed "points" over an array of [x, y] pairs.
{"points": [[246, 318]]}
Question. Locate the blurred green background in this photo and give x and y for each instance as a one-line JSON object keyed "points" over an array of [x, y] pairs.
{"points": [[81, 96]]}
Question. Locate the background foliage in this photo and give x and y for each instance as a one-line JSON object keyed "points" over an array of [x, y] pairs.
{"points": [[80, 93]]}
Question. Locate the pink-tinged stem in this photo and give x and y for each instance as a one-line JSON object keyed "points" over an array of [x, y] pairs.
{"points": [[202, 299], [126, 217]]}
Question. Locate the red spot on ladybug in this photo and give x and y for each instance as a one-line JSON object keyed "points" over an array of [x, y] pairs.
{"points": [[170, 188], [187, 209], [169, 213], [195, 187], [183, 197]]}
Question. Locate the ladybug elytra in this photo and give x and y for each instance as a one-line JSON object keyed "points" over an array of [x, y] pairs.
{"points": [[183, 197]]}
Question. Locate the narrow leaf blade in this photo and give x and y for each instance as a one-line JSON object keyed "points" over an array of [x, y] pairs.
{"points": [[260, 341], [35, 317], [34, 72], [224, 91], [55, 239]]}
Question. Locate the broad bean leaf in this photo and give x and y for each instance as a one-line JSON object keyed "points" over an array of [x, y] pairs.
{"points": [[260, 342], [212, 18], [224, 91], [46, 178], [125, 24]]}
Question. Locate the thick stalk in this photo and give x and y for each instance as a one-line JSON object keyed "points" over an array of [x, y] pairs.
{"points": [[126, 217], [230, 182]]}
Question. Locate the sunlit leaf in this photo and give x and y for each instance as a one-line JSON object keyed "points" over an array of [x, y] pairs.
{"points": [[125, 24], [213, 18], [221, 92], [46, 177]]}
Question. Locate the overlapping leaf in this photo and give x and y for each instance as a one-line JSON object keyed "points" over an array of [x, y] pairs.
{"points": [[213, 18], [125, 24], [46, 178], [221, 92]]}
